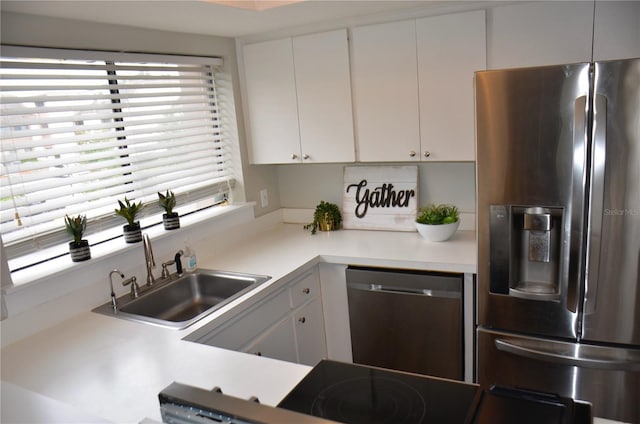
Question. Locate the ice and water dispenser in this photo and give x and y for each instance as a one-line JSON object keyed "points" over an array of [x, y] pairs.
{"points": [[525, 251]]}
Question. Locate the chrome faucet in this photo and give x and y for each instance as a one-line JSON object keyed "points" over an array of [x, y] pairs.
{"points": [[114, 303], [148, 258]]}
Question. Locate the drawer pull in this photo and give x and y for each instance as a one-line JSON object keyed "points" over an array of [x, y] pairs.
{"points": [[302, 320], [306, 290], [258, 353]]}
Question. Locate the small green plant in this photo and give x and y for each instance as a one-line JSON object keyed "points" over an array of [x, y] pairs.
{"points": [[438, 214], [326, 217], [129, 210], [167, 201], [76, 227]]}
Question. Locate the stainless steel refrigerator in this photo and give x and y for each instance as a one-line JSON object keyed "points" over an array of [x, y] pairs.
{"points": [[558, 185]]}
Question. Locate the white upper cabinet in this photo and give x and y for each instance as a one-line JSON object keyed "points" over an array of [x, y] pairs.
{"points": [[450, 49], [324, 97], [271, 102], [299, 99], [385, 84], [413, 87], [616, 30], [539, 33]]}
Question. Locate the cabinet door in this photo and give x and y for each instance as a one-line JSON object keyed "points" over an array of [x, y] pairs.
{"points": [[447, 60], [310, 334], [385, 84], [323, 87], [278, 342], [616, 30], [248, 325], [271, 102], [539, 33]]}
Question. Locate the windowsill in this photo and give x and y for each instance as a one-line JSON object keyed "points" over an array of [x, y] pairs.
{"points": [[31, 276]]}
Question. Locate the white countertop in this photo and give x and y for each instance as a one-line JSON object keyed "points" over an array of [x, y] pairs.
{"points": [[114, 369]]}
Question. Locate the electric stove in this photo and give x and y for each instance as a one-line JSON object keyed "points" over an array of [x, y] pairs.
{"points": [[354, 394], [337, 392]]}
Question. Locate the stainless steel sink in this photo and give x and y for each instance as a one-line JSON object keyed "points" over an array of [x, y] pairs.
{"points": [[182, 301]]}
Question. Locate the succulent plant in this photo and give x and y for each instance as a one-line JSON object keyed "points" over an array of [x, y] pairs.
{"points": [[128, 210], [167, 201], [76, 226]]}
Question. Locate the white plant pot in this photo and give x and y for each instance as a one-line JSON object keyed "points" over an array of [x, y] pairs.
{"points": [[439, 232]]}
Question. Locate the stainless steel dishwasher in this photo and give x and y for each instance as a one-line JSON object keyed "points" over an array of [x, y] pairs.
{"points": [[407, 320]]}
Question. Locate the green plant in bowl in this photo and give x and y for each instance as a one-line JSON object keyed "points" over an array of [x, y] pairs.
{"points": [[437, 222], [438, 214]]}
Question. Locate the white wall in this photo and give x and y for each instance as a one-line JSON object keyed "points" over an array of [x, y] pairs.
{"points": [[303, 186]]}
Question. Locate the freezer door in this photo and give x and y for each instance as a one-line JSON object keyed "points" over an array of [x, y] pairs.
{"points": [[532, 130], [609, 378], [612, 302]]}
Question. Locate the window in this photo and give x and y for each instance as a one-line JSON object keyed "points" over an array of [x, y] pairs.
{"points": [[81, 130]]}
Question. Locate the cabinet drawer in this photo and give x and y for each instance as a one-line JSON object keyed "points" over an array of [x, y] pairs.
{"points": [[306, 288], [239, 331]]}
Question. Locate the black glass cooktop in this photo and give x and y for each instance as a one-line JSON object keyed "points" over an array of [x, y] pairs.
{"points": [[355, 394]]}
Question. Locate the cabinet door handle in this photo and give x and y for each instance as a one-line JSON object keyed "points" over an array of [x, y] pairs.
{"points": [[305, 156], [258, 353], [427, 153], [302, 320], [294, 156], [412, 154], [306, 290]]}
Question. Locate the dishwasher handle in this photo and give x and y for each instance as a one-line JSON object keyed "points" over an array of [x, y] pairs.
{"points": [[382, 288]]}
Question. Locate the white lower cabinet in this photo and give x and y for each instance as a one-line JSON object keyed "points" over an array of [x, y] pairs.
{"points": [[277, 342], [287, 324], [309, 326]]}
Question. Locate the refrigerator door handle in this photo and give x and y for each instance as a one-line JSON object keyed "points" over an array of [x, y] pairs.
{"points": [[572, 354], [572, 259], [596, 201]]}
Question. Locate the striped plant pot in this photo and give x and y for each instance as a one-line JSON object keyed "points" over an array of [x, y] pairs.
{"points": [[79, 251], [132, 233], [171, 222]]}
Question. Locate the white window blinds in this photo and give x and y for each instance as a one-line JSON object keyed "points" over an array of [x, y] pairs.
{"points": [[81, 130]]}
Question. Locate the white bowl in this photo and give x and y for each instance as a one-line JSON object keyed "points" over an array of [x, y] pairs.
{"points": [[440, 232]]}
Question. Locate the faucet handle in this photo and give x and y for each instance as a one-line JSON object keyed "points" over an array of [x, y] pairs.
{"points": [[135, 289], [165, 271]]}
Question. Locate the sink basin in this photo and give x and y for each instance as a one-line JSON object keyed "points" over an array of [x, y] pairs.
{"points": [[182, 301]]}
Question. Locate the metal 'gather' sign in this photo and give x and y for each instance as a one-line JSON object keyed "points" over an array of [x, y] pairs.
{"points": [[380, 197]]}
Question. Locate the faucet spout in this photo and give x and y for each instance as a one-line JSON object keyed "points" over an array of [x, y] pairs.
{"points": [[148, 258], [114, 303]]}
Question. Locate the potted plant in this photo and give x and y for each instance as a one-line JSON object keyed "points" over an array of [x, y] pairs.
{"points": [[170, 219], [326, 217], [79, 248], [128, 210], [437, 222]]}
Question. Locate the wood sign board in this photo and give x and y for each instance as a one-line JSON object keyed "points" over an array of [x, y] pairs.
{"points": [[380, 198]]}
